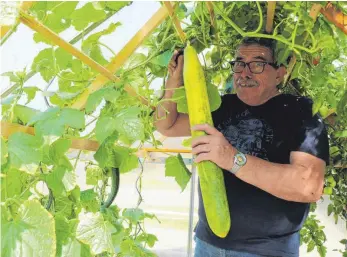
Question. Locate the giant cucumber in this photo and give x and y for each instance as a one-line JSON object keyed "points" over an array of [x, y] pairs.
{"points": [[210, 175]]}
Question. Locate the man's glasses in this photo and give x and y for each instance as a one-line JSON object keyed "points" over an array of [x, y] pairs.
{"points": [[255, 67]]}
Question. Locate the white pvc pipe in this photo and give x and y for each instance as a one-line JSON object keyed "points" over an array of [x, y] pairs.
{"points": [[191, 212]]}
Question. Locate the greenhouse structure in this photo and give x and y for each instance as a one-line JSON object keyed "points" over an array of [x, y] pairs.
{"points": [[84, 170]]}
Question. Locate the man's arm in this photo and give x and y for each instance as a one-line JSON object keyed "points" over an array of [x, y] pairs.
{"points": [[167, 120], [300, 181]]}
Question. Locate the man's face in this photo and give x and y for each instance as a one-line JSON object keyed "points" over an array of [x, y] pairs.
{"points": [[255, 89]]}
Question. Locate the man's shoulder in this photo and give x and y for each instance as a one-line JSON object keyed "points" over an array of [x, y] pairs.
{"points": [[296, 103]]}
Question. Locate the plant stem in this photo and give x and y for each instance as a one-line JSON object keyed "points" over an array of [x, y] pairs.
{"points": [[77, 158], [260, 35]]}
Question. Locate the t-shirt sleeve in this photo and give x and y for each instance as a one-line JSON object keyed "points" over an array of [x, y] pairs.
{"points": [[312, 135]]}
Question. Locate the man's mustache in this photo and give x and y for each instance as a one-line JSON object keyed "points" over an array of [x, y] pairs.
{"points": [[246, 83]]}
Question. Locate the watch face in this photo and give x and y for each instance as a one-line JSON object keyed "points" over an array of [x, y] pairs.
{"points": [[240, 159]]}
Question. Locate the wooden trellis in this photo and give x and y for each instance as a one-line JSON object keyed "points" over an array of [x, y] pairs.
{"points": [[107, 73]]}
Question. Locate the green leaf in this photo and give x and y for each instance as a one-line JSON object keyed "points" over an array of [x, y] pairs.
{"points": [[311, 245], [94, 231], [54, 120], [54, 181], [91, 46], [31, 92], [115, 5], [31, 233], [341, 107], [134, 60], [58, 149], [149, 239], [4, 151], [187, 142], [129, 125], [48, 123], [40, 38], [105, 155], [12, 76], [69, 180], [134, 215], [213, 97], [63, 58], [180, 98], [163, 59], [89, 200], [85, 15], [129, 163], [130, 248], [175, 167], [24, 114], [64, 9], [93, 174], [74, 248], [44, 63], [73, 118], [299, 70], [105, 126], [25, 151], [62, 232], [67, 244], [317, 104], [13, 184], [330, 209], [94, 99], [341, 133], [322, 250]]}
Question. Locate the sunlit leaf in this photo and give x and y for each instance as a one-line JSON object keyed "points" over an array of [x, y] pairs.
{"points": [[32, 232], [175, 167], [96, 232]]}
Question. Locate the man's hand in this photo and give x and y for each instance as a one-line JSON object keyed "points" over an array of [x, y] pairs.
{"points": [[213, 147], [175, 68]]}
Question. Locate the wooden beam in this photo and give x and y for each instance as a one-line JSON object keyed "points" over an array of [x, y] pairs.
{"points": [[315, 11], [336, 16], [213, 18], [122, 56], [105, 74], [8, 129], [4, 29], [271, 6], [290, 68], [84, 33], [175, 21], [32, 23]]}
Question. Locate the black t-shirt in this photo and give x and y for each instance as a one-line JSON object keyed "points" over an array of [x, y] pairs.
{"points": [[260, 222]]}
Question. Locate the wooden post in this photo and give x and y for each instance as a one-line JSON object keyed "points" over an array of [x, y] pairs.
{"points": [[271, 6], [175, 21]]}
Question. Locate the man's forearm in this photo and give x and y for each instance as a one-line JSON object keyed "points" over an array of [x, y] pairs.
{"points": [[291, 182], [166, 113]]}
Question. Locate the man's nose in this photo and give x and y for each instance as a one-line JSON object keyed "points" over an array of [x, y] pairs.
{"points": [[246, 72]]}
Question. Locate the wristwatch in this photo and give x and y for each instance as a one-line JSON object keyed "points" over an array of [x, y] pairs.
{"points": [[240, 160]]}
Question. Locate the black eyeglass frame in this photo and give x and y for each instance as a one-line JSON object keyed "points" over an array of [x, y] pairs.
{"points": [[232, 63]]}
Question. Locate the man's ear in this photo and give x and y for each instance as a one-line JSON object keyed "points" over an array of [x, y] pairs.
{"points": [[281, 71]]}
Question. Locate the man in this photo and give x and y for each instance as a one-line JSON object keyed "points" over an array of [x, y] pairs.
{"points": [[281, 151]]}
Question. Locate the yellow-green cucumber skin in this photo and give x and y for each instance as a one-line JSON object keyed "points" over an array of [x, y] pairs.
{"points": [[211, 176]]}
